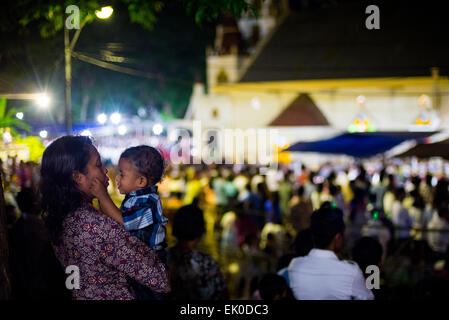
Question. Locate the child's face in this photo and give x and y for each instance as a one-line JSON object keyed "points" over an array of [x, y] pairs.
{"points": [[128, 179]]}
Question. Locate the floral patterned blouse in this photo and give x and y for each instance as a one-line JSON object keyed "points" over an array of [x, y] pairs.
{"points": [[105, 254]]}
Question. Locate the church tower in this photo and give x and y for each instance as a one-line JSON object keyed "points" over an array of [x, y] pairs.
{"points": [[236, 41]]}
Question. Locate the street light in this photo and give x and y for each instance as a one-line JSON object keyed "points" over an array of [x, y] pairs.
{"points": [[115, 118], [102, 118], [43, 134], [43, 100], [157, 129], [105, 13]]}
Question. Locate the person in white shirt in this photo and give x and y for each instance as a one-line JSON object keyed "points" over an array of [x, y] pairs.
{"points": [[438, 234], [321, 275], [400, 215], [421, 214]]}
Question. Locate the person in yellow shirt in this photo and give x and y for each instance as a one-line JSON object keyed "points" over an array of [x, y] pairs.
{"points": [[193, 188]]}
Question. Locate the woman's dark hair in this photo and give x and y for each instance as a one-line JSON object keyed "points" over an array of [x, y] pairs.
{"points": [[60, 194], [188, 223], [148, 161]]}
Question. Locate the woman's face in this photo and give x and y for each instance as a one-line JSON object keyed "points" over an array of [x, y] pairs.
{"points": [[94, 169]]}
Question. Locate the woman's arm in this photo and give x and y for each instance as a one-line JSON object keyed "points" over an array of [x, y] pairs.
{"points": [[129, 255], [107, 205]]}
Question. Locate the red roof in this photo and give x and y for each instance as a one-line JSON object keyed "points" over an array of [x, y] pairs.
{"points": [[301, 112]]}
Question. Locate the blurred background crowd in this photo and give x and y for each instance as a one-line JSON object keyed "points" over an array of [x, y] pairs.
{"points": [[248, 226]]}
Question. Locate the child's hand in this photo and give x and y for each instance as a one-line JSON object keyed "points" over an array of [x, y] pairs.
{"points": [[98, 189]]}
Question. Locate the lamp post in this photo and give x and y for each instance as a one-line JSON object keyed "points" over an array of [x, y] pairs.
{"points": [[68, 82], [105, 13]]}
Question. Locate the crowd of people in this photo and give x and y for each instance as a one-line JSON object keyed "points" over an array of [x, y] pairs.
{"points": [[261, 222], [235, 233]]}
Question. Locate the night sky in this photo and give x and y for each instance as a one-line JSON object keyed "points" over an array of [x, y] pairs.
{"points": [[174, 49], [411, 33]]}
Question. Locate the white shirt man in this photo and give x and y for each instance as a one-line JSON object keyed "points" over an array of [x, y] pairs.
{"points": [[322, 276]]}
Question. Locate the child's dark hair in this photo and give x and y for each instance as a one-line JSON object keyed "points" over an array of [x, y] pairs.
{"points": [[148, 161]]}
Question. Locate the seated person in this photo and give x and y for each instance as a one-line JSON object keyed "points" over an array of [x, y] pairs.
{"points": [[321, 275], [274, 287]]}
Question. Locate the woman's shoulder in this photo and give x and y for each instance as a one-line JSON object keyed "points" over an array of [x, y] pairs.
{"points": [[86, 212]]}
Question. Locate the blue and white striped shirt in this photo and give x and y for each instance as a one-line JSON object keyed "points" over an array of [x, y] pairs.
{"points": [[143, 216]]}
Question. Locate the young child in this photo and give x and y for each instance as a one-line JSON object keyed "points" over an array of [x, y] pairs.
{"points": [[140, 169]]}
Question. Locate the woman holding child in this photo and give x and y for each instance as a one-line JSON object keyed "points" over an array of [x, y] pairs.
{"points": [[107, 255]]}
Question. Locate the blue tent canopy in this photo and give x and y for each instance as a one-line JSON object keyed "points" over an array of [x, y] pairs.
{"points": [[359, 145]]}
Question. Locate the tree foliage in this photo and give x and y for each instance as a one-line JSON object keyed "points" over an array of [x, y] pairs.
{"points": [[165, 38], [49, 16], [9, 120], [206, 10]]}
